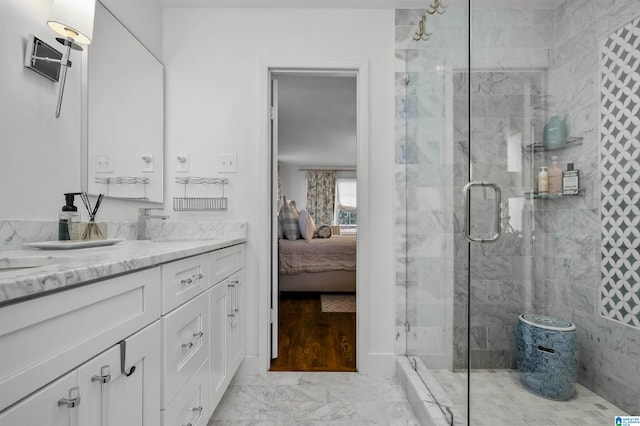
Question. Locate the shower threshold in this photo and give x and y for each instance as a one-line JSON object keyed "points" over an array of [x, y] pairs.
{"points": [[498, 398]]}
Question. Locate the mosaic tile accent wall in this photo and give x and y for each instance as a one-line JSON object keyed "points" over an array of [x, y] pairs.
{"points": [[620, 175]]}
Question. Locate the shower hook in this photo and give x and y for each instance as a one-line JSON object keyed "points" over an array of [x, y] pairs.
{"points": [[422, 33], [434, 7], [437, 6]]}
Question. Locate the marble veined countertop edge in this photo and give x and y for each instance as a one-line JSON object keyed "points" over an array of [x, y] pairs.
{"points": [[56, 269]]}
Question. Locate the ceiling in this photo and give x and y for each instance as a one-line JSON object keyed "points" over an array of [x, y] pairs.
{"points": [[317, 120], [356, 4]]}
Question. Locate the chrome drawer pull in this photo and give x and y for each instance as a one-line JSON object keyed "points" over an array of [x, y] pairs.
{"points": [[104, 377], [195, 410], [189, 345], [73, 400], [194, 278]]}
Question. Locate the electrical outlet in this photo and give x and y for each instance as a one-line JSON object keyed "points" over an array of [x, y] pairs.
{"points": [[227, 163], [183, 163], [104, 163]]}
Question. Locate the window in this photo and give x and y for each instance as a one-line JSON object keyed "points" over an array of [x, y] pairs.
{"points": [[346, 215]]}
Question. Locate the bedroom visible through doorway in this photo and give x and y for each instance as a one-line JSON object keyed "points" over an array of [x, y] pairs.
{"points": [[314, 248]]}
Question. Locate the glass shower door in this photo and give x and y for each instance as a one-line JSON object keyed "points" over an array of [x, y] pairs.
{"points": [[506, 103]]}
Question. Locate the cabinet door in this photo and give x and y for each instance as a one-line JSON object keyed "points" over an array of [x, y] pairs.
{"points": [[52, 405], [235, 322], [185, 345], [110, 397], [218, 342]]}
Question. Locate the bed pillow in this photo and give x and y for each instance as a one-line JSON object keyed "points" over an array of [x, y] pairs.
{"points": [[289, 222], [307, 225], [280, 230]]}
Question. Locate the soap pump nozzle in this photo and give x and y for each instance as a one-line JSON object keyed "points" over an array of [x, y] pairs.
{"points": [[70, 198]]}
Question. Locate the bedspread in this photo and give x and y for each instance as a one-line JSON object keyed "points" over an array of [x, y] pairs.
{"points": [[337, 253]]}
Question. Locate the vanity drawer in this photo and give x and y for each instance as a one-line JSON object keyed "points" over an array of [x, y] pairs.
{"points": [[225, 262], [191, 405], [185, 345], [182, 280], [44, 338]]}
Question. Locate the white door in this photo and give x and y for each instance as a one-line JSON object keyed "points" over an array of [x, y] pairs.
{"points": [[274, 219], [56, 404], [110, 397], [235, 343]]}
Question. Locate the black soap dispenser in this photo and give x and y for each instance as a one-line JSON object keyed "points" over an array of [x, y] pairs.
{"points": [[68, 217]]}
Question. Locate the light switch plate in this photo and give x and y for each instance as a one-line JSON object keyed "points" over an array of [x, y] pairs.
{"points": [[227, 163], [104, 163]]}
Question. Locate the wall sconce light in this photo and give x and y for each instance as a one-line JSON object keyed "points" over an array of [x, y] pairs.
{"points": [[73, 20]]}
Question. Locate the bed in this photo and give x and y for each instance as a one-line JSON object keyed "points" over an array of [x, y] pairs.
{"points": [[318, 265]]}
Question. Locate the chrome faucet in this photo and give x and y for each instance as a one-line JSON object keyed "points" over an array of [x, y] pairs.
{"points": [[143, 216]]}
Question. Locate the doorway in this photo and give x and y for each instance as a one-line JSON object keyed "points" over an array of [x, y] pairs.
{"points": [[314, 149]]}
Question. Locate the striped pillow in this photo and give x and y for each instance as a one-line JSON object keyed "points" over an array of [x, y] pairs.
{"points": [[289, 222]]}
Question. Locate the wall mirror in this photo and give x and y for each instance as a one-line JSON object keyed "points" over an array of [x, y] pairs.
{"points": [[125, 114]]}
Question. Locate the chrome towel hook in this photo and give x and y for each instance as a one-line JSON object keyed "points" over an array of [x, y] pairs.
{"points": [[123, 357]]}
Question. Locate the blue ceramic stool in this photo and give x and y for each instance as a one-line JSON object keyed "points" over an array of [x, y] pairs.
{"points": [[547, 355]]}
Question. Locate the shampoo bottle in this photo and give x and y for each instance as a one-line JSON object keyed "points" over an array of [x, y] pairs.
{"points": [[543, 182], [570, 181], [67, 219], [555, 178]]}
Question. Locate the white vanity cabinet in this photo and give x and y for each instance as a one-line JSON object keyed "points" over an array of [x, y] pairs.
{"points": [[99, 392], [152, 347], [44, 338]]}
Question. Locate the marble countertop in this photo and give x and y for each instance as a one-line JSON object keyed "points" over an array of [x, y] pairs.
{"points": [[29, 273]]}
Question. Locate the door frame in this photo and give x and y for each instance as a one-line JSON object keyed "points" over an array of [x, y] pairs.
{"points": [[361, 72]]}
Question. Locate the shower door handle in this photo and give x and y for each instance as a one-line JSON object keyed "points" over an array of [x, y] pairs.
{"points": [[496, 223]]}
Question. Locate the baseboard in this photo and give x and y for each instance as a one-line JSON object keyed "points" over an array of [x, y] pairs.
{"points": [[380, 364], [249, 366]]}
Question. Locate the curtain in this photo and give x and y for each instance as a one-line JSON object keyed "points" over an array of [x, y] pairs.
{"points": [[346, 194], [321, 194]]}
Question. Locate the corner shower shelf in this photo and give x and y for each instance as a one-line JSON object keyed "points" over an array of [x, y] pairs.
{"points": [[183, 204], [539, 146]]}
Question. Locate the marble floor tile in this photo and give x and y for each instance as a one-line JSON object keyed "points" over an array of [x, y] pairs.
{"points": [[314, 399], [499, 398]]}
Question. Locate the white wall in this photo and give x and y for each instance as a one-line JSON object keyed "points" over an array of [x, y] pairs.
{"points": [[213, 60], [40, 155], [294, 184]]}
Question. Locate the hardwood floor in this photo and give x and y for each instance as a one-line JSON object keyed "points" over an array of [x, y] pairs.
{"points": [[312, 340]]}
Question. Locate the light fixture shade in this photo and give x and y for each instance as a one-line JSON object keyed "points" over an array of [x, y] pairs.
{"points": [[73, 18]]}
